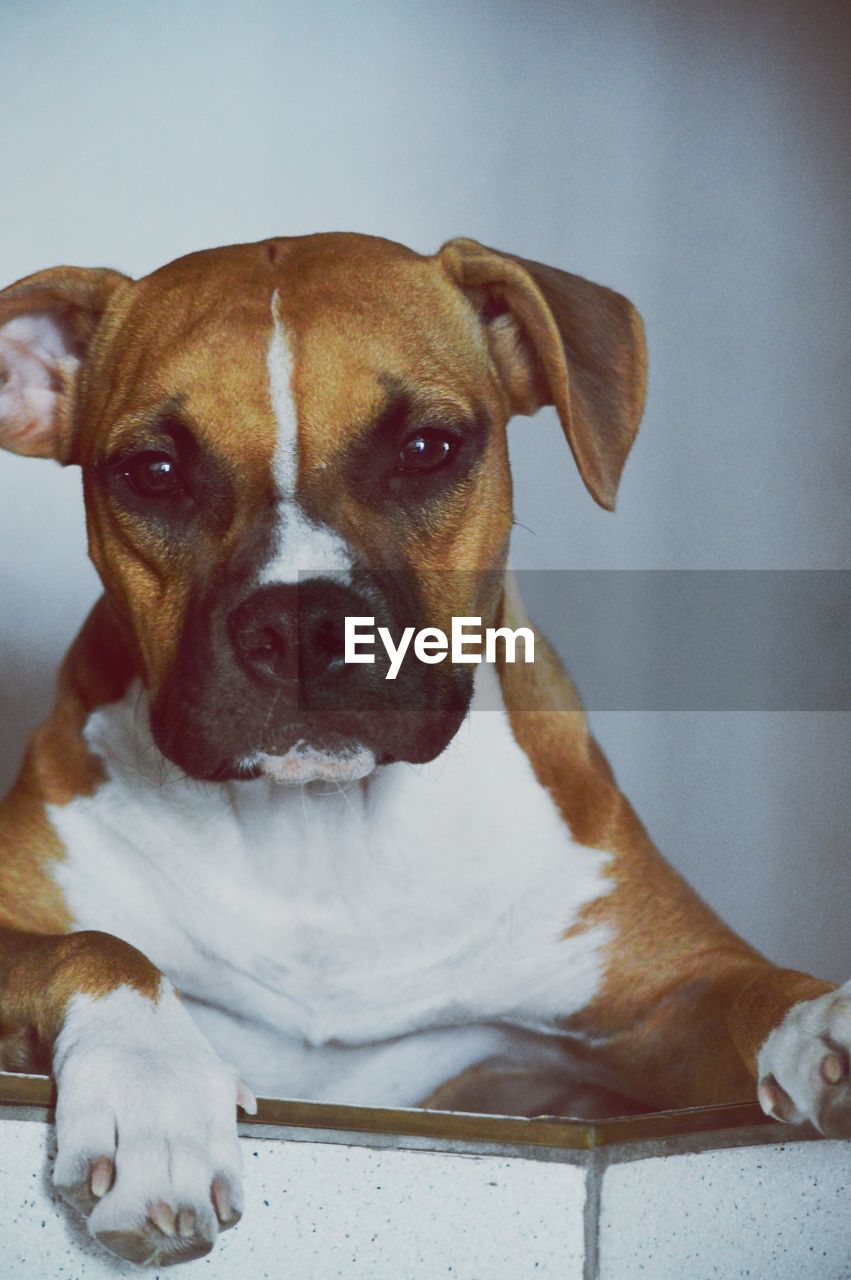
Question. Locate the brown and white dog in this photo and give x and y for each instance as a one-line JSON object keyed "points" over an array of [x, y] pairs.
{"points": [[363, 890]]}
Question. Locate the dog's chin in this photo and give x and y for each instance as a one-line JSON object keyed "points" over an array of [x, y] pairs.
{"points": [[304, 763]]}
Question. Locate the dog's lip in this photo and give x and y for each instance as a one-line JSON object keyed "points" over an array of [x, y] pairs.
{"points": [[304, 761]]}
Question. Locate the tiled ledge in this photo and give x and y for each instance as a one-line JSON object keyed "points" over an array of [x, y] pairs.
{"points": [[413, 1195]]}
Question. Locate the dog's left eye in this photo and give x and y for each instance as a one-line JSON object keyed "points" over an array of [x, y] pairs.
{"points": [[153, 475], [427, 451]]}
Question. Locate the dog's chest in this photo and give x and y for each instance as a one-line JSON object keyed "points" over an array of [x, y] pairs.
{"points": [[405, 917]]}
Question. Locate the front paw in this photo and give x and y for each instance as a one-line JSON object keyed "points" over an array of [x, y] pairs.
{"points": [[804, 1065], [146, 1127]]}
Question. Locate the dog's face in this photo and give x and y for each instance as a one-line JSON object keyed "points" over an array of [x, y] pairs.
{"points": [[277, 436]]}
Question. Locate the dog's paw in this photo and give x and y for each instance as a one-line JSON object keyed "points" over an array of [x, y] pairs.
{"points": [[804, 1065], [147, 1143]]}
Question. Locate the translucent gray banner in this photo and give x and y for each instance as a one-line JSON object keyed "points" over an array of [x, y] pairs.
{"points": [[699, 640], [632, 640]]}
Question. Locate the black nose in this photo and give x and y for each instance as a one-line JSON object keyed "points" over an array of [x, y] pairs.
{"points": [[293, 634]]}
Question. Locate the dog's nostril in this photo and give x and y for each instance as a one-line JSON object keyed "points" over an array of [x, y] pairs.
{"points": [[268, 643], [264, 648], [328, 643]]}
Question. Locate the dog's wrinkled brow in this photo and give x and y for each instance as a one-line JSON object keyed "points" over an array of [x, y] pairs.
{"points": [[406, 408]]}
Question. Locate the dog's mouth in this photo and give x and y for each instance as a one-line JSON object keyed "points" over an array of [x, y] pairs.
{"points": [[334, 758], [235, 737]]}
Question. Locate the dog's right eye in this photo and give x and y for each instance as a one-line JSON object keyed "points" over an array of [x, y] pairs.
{"points": [[153, 475]]}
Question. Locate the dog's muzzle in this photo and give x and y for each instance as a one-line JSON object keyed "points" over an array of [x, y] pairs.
{"points": [[261, 685]]}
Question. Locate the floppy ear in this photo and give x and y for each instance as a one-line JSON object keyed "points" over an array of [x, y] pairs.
{"points": [[558, 339], [46, 324]]}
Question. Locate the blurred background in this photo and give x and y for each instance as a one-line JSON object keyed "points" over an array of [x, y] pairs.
{"points": [[694, 157]]}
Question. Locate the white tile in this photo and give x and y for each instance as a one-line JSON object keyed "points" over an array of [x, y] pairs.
{"points": [[768, 1213], [317, 1211]]}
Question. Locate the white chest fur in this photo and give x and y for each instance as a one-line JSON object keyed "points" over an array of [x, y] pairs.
{"points": [[362, 945]]}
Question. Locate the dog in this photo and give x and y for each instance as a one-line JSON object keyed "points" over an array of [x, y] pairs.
{"points": [[234, 862]]}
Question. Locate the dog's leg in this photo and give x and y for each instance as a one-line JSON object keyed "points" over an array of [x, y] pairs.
{"points": [[687, 1013], [146, 1111], [690, 1022]]}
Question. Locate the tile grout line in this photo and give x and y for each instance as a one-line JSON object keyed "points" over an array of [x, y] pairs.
{"points": [[591, 1214]]}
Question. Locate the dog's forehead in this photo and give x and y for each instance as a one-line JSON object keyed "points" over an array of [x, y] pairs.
{"points": [[349, 315]]}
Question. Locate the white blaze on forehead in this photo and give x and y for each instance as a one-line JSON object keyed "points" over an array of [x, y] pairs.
{"points": [[302, 548], [279, 362]]}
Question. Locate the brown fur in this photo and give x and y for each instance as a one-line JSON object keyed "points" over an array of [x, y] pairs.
{"points": [[40, 971], [685, 1004]]}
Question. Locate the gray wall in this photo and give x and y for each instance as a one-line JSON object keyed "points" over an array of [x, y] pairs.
{"points": [[694, 157]]}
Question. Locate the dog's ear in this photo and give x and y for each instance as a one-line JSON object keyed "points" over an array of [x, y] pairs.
{"points": [[47, 322], [558, 339]]}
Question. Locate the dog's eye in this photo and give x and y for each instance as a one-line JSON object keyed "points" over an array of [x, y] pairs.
{"points": [[427, 451], [153, 475]]}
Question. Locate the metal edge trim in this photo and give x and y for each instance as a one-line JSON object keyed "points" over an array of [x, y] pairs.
{"points": [[540, 1131]]}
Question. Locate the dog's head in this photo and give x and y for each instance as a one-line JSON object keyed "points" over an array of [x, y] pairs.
{"points": [[276, 436]]}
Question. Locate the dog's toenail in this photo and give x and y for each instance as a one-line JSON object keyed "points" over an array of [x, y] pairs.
{"points": [[101, 1176], [832, 1068], [769, 1095], [775, 1100], [162, 1216], [221, 1202], [186, 1223]]}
